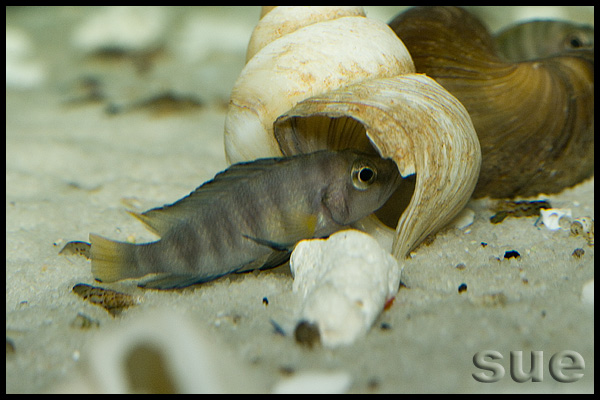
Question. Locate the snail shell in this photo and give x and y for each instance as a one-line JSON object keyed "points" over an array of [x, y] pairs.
{"points": [[534, 119], [410, 119], [301, 64], [349, 83]]}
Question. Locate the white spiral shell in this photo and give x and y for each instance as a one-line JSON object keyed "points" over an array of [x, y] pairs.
{"points": [[349, 82]]}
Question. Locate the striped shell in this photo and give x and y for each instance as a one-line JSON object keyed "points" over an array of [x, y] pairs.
{"points": [[534, 119]]}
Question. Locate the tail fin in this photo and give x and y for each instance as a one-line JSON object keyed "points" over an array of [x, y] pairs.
{"points": [[112, 261]]}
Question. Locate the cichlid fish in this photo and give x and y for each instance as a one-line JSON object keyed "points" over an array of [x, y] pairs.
{"points": [[536, 39], [249, 217]]}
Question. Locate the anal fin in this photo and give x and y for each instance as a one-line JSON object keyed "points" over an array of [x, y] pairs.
{"points": [[170, 281]]}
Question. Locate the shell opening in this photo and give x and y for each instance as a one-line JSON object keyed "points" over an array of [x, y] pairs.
{"points": [[321, 131], [297, 134]]}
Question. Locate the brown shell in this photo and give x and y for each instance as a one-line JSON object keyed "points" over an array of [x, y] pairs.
{"points": [[534, 119]]}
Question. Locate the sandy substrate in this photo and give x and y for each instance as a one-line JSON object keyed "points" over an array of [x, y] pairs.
{"points": [[74, 167]]}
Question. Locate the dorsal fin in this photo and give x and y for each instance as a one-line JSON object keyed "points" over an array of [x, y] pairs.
{"points": [[161, 219]]}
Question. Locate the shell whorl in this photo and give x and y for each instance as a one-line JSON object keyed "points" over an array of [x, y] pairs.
{"points": [[299, 65]]}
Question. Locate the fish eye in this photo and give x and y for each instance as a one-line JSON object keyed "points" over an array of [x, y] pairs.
{"points": [[363, 176], [366, 174], [575, 42]]}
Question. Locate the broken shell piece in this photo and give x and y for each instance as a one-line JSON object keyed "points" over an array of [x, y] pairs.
{"points": [[464, 219], [76, 248], [114, 302], [551, 217], [518, 209], [344, 282]]}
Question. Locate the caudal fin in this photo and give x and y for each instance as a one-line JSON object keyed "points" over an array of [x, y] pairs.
{"points": [[112, 261]]}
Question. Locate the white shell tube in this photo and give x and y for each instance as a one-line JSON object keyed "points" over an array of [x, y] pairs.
{"points": [[344, 282]]}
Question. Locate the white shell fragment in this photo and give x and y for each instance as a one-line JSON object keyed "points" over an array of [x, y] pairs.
{"points": [[334, 382], [127, 28], [464, 219], [344, 282], [23, 70], [587, 293], [185, 358], [161, 350], [551, 217]]}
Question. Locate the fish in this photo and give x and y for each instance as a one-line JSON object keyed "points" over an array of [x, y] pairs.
{"points": [[249, 216], [543, 38]]}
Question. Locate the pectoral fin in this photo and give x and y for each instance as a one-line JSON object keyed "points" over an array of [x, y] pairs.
{"points": [[297, 226], [276, 259]]}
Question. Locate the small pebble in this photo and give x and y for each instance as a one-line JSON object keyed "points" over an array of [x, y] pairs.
{"points": [[584, 226], [307, 334], [512, 254], [84, 322], [578, 253], [10, 348]]}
